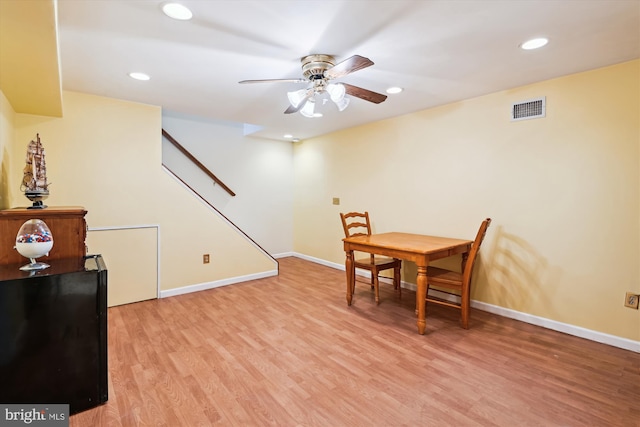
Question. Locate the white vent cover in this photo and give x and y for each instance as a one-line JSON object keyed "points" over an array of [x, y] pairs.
{"points": [[529, 109]]}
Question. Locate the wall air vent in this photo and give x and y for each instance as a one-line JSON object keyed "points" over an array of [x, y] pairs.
{"points": [[529, 109]]}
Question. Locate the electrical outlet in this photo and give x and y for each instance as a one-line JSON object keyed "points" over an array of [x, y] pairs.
{"points": [[631, 300], [336, 200], [205, 259]]}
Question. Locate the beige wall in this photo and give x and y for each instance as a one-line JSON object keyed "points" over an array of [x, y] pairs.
{"points": [[105, 155], [6, 139], [29, 62], [563, 192]]}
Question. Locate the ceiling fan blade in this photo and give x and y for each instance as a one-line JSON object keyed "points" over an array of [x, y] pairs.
{"points": [[274, 81], [365, 94], [349, 65], [293, 109]]}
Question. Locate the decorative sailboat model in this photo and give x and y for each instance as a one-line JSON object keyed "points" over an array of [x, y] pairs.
{"points": [[34, 180]]}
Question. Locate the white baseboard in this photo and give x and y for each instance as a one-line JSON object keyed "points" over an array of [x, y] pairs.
{"points": [[566, 328], [335, 265], [283, 255], [216, 284]]}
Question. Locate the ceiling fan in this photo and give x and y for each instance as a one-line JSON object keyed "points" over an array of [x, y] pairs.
{"points": [[318, 70]]}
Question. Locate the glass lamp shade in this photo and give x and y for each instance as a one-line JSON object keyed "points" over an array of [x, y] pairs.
{"points": [[295, 98], [336, 92], [34, 240], [308, 108], [342, 104]]}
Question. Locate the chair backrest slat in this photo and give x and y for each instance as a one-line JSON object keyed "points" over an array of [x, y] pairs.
{"points": [[354, 222]]}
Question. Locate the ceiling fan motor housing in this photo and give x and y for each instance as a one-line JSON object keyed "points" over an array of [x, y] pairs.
{"points": [[314, 66]]}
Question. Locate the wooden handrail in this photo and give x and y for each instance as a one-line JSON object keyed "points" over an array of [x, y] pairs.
{"points": [[195, 161]]}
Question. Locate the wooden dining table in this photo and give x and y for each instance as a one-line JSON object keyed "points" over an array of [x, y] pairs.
{"points": [[418, 248]]}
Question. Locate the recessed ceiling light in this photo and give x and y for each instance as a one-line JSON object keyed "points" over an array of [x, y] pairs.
{"points": [[534, 43], [288, 135], [394, 89], [295, 140], [177, 11], [317, 114], [139, 76]]}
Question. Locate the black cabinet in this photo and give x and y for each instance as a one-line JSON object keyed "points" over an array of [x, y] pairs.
{"points": [[53, 333]]}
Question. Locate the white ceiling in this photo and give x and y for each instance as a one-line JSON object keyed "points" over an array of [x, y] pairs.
{"points": [[438, 51]]}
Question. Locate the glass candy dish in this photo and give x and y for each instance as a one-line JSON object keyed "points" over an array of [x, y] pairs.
{"points": [[34, 240]]}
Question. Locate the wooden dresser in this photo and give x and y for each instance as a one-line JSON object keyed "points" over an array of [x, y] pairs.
{"points": [[67, 225]]}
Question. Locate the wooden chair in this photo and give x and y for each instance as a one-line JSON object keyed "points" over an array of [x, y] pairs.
{"points": [[457, 283], [358, 224]]}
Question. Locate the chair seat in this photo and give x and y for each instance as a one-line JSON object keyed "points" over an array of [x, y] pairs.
{"points": [[381, 262], [437, 275], [447, 281]]}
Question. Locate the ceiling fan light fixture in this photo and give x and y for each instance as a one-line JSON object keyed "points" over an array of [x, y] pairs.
{"points": [[296, 97], [336, 92], [342, 104], [308, 108]]}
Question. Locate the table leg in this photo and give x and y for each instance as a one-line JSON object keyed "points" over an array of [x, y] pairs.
{"points": [[421, 296], [349, 268]]}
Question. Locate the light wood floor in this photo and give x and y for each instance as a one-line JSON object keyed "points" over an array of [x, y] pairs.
{"points": [[288, 351]]}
